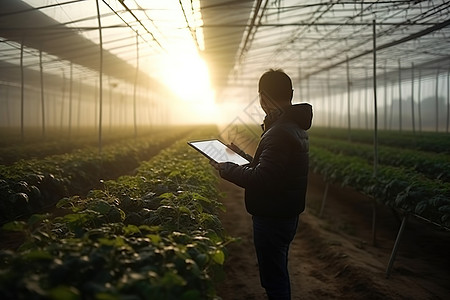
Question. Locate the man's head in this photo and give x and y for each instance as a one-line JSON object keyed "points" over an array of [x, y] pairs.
{"points": [[275, 90]]}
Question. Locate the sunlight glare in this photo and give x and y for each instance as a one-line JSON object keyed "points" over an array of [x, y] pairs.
{"points": [[187, 76]]}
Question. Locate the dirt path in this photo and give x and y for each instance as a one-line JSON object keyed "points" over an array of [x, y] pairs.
{"points": [[333, 257]]}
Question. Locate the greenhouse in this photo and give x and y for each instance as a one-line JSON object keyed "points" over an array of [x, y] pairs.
{"points": [[101, 197]]}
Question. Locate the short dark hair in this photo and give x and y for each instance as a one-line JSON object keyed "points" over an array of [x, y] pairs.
{"points": [[277, 85]]}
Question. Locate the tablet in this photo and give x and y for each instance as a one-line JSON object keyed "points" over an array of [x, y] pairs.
{"points": [[218, 151]]}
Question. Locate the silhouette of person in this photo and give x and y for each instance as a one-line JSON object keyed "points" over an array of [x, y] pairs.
{"points": [[276, 179]]}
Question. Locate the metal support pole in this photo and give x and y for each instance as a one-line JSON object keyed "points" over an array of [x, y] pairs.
{"points": [[391, 115], [412, 100], [374, 223], [385, 97], [62, 101], [366, 100], [22, 92], [419, 95], [307, 90], [342, 121], [95, 106], [437, 100], [41, 69], [100, 79], [135, 85], [122, 110], [358, 111], [324, 96], [8, 118], [54, 118], [79, 105], [375, 128], [448, 100], [147, 94], [396, 244], [300, 90], [70, 99], [324, 198], [329, 99], [399, 95], [375, 108], [348, 101], [110, 103]]}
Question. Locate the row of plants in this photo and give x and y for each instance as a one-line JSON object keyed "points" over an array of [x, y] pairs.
{"points": [[29, 185], [407, 179], [433, 165], [395, 187], [437, 142], [13, 149], [154, 235]]}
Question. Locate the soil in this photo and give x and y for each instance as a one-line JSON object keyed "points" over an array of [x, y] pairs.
{"points": [[333, 256]]}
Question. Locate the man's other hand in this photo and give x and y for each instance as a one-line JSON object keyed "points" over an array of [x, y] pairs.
{"points": [[235, 148], [217, 166], [240, 152]]}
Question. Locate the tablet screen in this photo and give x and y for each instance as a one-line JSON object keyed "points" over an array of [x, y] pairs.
{"points": [[218, 151]]}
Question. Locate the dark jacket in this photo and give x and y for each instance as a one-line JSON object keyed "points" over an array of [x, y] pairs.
{"points": [[276, 179]]}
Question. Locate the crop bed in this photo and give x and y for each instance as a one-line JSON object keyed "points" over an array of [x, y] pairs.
{"points": [[154, 235], [412, 176], [13, 149], [27, 186]]}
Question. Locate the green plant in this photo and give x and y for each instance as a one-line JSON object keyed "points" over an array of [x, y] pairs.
{"points": [[154, 235]]}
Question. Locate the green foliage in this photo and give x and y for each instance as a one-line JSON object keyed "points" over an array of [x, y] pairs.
{"points": [[398, 187], [435, 142], [13, 148], [432, 165], [154, 235], [28, 185]]}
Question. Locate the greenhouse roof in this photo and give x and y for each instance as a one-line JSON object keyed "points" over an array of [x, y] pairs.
{"points": [[315, 41]]}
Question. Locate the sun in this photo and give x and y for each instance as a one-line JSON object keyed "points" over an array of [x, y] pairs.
{"points": [[187, 76]]}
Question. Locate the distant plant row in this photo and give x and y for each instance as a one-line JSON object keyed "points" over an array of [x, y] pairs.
{"points": [[409, 180], [436, 142], [12, 149], [432, 165], [27, 186]]}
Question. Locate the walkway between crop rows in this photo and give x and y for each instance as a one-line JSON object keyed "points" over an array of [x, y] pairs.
{"points": [[332, 258]]}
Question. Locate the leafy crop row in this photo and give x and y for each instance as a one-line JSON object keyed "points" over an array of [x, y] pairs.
{"points": [[396, 187], [432, 165], [154, 235], [13, 149], [437, 142], [28, 185]]}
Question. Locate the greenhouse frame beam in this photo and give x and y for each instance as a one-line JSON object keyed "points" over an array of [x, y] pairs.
{"points": [[308, 24], [143, 26], [61, 28], [222, 45], [251, 27], [384, 46], [37, 8], [38, 39], [100, 79], [191, 30]]}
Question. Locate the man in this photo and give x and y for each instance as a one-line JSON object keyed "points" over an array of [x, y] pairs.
{"points": [[275, 181]]}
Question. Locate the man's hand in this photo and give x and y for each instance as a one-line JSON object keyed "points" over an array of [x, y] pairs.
{"points": [[235, 148], [217, 166], [240, 152]]}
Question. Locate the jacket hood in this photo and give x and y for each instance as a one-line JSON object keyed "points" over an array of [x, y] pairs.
{"points": [[301, 114]]}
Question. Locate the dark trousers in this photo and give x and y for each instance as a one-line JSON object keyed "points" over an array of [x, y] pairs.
{"points": [[272, 238]]}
